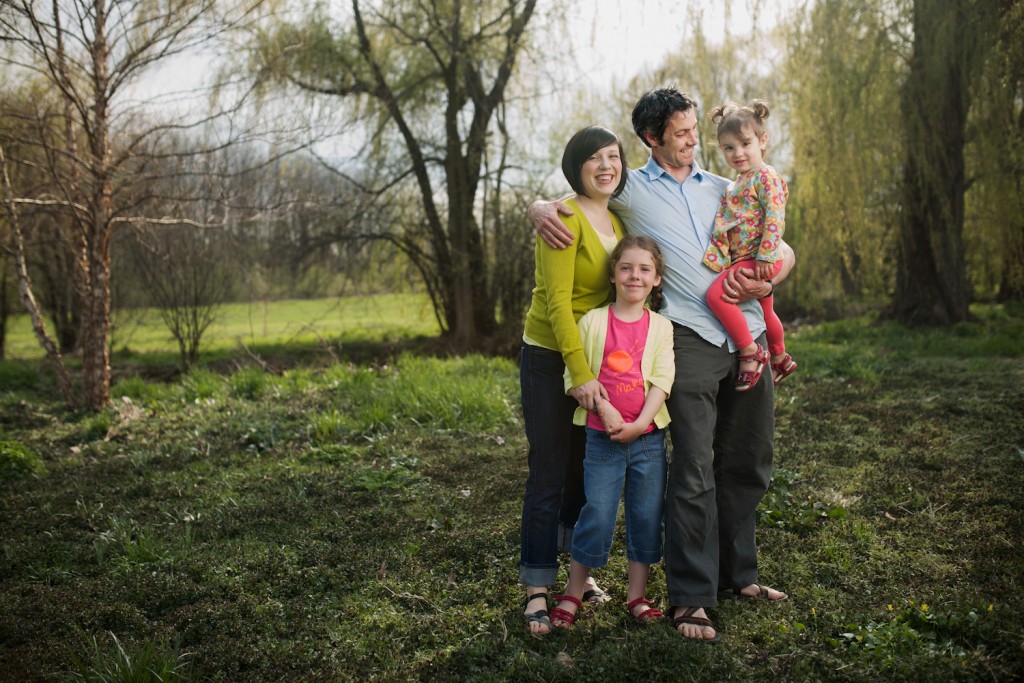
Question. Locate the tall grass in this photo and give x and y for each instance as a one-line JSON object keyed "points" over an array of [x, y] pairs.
{"points": [[469, 394], [148, 662]]}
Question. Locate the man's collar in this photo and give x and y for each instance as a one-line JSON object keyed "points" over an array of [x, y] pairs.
{"points": [[654, 170]]}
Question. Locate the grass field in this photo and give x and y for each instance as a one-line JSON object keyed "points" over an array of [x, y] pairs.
{"points": [[260, 324], [350, 521]]}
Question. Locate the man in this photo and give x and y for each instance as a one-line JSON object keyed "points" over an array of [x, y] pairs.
{"points": [[723, 440]]}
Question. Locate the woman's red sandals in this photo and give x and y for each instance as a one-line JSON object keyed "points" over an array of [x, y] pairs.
{"points": [[564, 616], [747, 379], [648, 615], [783, 367]]}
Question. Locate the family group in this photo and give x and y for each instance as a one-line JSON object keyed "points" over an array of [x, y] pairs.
{"points": [[652, 321]]}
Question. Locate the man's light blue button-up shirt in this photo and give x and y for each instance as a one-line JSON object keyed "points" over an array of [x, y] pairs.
{"points": [[680, 218]]}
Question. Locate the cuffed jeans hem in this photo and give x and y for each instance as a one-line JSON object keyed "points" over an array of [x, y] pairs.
{"points": [[538, 576], [594, 561], [693, 601], [589, 561], [643, 556]]}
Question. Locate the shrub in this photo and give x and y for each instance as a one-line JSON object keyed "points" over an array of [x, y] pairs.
{"points": [[200, 384], [138, 389], [18, 461], [250, 383]]}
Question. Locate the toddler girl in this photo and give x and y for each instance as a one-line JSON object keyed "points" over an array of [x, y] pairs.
{"points": [[748, 228]]}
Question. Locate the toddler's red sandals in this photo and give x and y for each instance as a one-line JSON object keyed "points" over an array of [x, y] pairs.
{"points": [[783, 368], [747, 379]]}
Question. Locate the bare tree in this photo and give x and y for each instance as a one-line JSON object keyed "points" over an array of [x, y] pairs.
{"points": [[186, 272], [429, 80], [91, 52], [27, 113]]}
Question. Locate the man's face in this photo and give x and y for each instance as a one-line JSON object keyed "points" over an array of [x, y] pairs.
{"points": [[675, 149]]}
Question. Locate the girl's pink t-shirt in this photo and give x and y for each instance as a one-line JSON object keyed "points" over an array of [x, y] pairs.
{"points": [[620, 368]]}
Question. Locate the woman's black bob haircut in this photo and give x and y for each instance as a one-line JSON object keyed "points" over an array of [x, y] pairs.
{"points": [[581, 146]]}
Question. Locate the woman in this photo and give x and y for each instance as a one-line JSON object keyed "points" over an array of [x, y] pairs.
{"points": [[569, 282]]}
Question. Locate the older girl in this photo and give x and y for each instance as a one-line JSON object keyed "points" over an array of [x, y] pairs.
{"points": [[629, 347]]}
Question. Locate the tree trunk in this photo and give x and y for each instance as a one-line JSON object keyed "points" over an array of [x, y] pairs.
{"points": [[96, 327], [473, 314], [96, 330], [5, 310], [25, 289], [931, 279]]}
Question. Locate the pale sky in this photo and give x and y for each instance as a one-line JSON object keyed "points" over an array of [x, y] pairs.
{"points": [[614, 41], [624, 37], [617, 38]]}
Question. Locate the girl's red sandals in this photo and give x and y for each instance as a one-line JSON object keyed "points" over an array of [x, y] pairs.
{"points": [[653, 613], [783, 368], [747, 379], [559, 614]]}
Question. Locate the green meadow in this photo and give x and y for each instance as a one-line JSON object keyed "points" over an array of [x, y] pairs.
{"points": [[260, 324], [325, 517]]}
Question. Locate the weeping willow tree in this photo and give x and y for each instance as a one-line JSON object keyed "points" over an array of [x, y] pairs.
{"points": [[427, 84], [884, 94], [843, 77], [950, 39], [994, 220], [712, 67]]}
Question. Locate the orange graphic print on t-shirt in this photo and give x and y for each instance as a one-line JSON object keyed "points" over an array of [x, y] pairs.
{"points": [[620, 361]]}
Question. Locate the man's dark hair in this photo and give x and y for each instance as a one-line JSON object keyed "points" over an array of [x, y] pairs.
{"points": [[654, 109], [580, 147]]}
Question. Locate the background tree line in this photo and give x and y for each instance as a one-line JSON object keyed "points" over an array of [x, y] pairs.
{"points": [[358, 146]]}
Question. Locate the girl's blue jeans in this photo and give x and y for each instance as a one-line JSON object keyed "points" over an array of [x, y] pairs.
{"points": [[639, 468]]}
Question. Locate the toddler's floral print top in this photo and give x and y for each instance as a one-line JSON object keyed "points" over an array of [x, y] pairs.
{"points": [[750, 219]]}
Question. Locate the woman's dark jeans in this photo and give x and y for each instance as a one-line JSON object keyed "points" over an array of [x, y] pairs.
{"points": [[554, 486]]}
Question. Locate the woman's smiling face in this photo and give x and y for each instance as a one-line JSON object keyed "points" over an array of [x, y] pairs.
{"points": [[602, 171]]}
